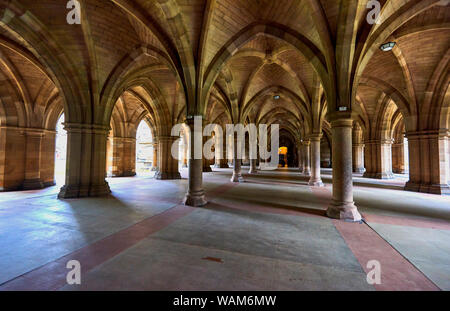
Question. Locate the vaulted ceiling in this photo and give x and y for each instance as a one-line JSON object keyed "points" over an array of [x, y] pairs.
{"points": [[226, 59]]}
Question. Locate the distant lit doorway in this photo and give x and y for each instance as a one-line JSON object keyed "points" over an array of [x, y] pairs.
{"points": [[60, 151], [144, 150], [283, 157]]}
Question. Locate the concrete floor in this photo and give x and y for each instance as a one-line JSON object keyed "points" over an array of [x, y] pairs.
{"points": [[269, 233]]}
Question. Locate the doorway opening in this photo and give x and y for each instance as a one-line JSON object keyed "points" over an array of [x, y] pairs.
{"points": [[144, 149], [60, 151]]}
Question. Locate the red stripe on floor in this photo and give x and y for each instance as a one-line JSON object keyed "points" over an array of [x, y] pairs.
{"points": [[396, 272], [392, 220], [52, 275], [221, 189]]}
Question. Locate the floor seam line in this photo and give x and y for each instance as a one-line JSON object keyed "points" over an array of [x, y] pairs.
{"points": [[404, 257]]}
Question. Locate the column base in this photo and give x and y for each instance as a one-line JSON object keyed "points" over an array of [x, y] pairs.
{"points": [[344, 211], [306, 173], [195, 199], [207, 169], [316, 183], [99, 190], [253, 171], [384, 175], [70, 192], [399, 171], [129, 174], [428, 188], [167, 175], [221, 166], [49, 184], [31, 184], [237, 178], [359, 170]]}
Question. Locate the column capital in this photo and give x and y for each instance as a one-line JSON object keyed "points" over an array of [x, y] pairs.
{"points": [[86, 128], [344, 122], [33, 132], [315, 136], [358, 145], [305, 142], [124, 139], [413, 135], [379, 142], [190, 120]]}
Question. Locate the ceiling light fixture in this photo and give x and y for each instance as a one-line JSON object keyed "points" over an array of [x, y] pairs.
{"points": [[276, 97], [387, 46]]}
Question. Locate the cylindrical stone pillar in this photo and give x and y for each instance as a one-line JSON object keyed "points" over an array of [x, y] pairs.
{"points": [[306, 158], [358, 158], [237, 170], [253, 167], [300, 157], [315, 179], [342, 206], [195, 195], [221, 160]]}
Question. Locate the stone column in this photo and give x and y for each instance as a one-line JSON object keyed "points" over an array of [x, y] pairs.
{"points": [[221, 156], [253, 158], [300, 158], [155, 156], [167, 164], [253, 167], [428, 158], [358, 158], [315, 179], [129, 156], [378, 159], [306, 158], [342, 206], [86, 161], [12, 158], [98, 185], [33, 159], [117, 152], [195, 195], [398, 158], [205, 162], [237, 170]]}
